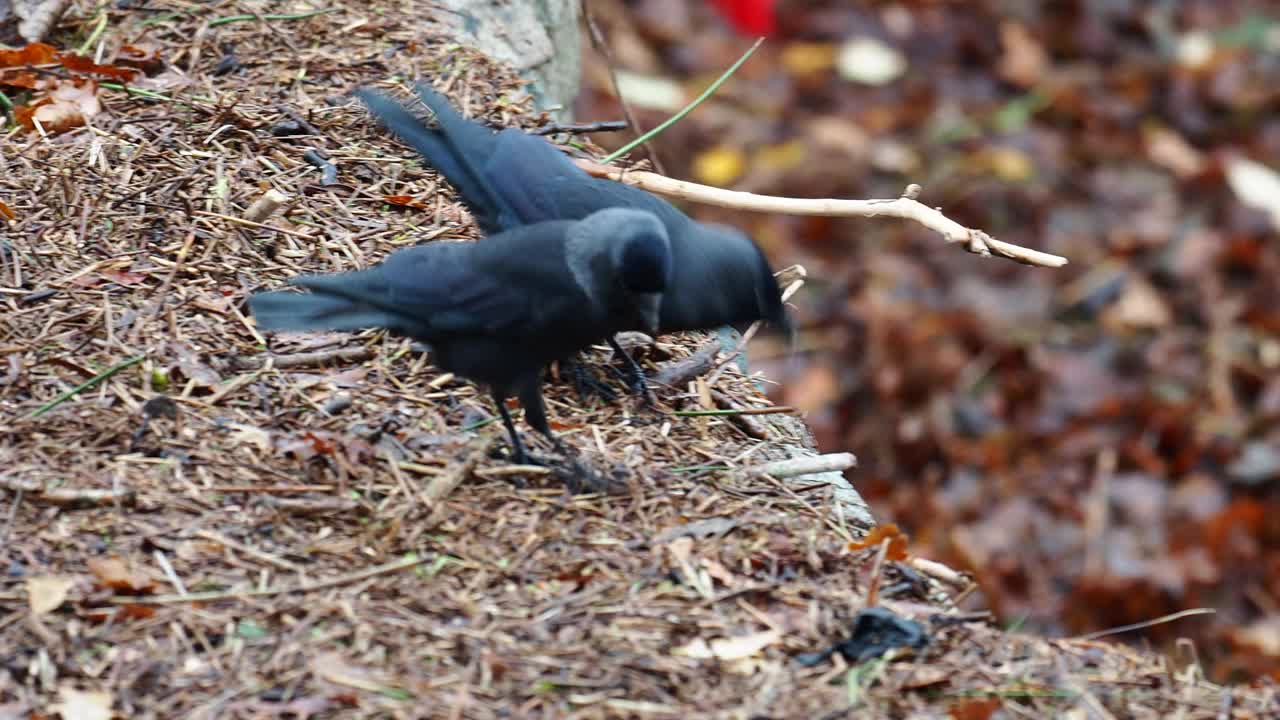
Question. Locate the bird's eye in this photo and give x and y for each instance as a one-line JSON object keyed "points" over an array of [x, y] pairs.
{"points": [[645, 265]]}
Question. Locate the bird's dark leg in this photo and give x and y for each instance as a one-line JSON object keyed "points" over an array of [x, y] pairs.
{"points": [[517, 449], [535, 413], [635, 378]]}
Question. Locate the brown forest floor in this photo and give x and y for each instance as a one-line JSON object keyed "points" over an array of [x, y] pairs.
{"points": [[325, 576]]}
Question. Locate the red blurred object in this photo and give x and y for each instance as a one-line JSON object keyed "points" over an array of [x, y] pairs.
{"points": [[749, 17]]}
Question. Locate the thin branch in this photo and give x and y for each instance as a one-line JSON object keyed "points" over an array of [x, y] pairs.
{"points": [[906, 207], [1145, 623], [806, 465], [249, 592], [85, 386], [581, 128], [340, 355], [597, 41], [68, 497], [689, 108], [772, 410]]}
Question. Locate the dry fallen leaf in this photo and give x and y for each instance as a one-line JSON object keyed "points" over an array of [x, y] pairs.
{"points": [[897, 541], [1024, 60], [806, 58], [1140, 307], [334, 668], [1170, 150], [115, 573], [735, 648], [76, 704], [869, 61], [1255, 185], [71, 105], [47, 592], [719, 166]]}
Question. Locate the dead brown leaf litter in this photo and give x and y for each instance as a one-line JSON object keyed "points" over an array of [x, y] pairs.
{"points": [[314, 535]]}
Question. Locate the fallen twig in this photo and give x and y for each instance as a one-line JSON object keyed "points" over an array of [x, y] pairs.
{"points": [[1144, 624], [307, 359], [505, 470], [314, 506], [248, 18], [580, 128], [69, 497], [808, 465], [679, 372], [270, 489], [740, 417], [227, 542], [938, 571], [441, 486], [265, 206], [249, 592], [906, 207], [85, 386], [877, 574], [775, 410]]}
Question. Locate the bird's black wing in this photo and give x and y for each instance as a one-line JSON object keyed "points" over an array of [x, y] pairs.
{"points": [[518, 287]]}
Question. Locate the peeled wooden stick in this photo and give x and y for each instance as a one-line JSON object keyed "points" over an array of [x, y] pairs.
{"points": [[906, 207], [808, 465]]}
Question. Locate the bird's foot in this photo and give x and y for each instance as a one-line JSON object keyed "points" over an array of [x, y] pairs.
{"points": [[588, 385]]}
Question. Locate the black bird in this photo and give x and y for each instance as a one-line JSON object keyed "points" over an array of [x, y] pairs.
{"points": [[499, 310], [510, 178]]}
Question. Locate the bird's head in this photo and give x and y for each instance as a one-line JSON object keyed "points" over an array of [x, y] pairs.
{"points": [[634, 247]]}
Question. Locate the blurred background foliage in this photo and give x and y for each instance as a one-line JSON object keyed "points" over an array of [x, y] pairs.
{"points": [[1100, 444]]}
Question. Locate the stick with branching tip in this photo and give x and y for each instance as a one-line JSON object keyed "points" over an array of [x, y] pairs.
{"points": [[905, 207]]}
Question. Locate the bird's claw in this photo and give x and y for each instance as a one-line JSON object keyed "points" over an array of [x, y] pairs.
{"points": [[587, 385]]}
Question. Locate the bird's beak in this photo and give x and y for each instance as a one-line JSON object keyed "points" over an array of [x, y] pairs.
{"points": [[649, 307]]}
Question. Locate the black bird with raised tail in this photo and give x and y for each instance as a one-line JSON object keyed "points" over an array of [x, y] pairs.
{"points": [[510, 178]]}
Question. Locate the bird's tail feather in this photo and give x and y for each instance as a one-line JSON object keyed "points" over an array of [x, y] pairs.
{"points": [[283, 310], [446, 149]]}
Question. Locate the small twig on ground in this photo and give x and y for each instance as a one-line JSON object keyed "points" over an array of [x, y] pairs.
{"points": [[270, 489], [877, 573], [13, 514], [265, 557], [308, 359], [906, 207], [732, 411], [740, 417], [809, 465], [85, 386], [505, 470], [247, 592], [249, 18], [165, 566], [940, 572], [1144, 624], [441, 487], [792, 279], [314, 506], [679, 372], [265, 206], [252, 224], [581, 128], [69, 497]]}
